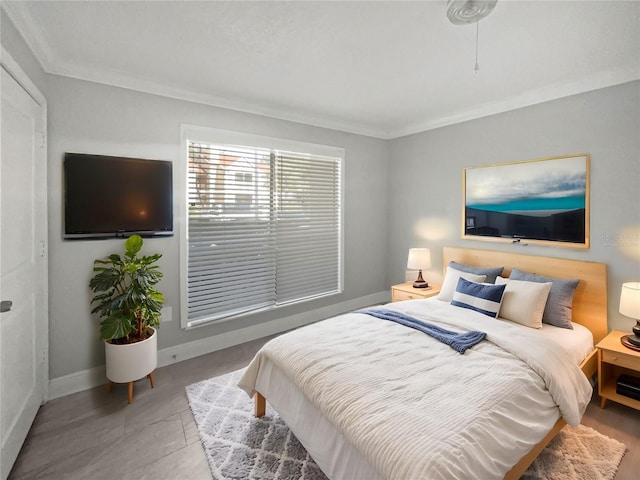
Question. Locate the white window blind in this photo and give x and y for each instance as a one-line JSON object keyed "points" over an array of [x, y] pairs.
{"points": [[264, 229]]}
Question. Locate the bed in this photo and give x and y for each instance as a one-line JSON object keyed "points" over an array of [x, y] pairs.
{"points": [[371, 399]]}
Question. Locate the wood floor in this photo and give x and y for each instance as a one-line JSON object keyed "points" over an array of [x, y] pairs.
{"points": [[96, 435]]}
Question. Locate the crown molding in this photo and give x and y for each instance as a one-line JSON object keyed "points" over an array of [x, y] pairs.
{"points": [[19, 15], [147, 85], [532, 97], [35, 39]]}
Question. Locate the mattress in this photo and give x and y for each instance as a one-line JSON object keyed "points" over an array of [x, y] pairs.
{"points": [[514, 423]]}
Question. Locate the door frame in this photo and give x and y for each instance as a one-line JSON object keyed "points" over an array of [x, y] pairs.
{"points": [[19, 75]]}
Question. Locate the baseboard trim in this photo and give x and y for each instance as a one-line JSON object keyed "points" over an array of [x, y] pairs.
{"points": [[77, 382], [93, 377]]}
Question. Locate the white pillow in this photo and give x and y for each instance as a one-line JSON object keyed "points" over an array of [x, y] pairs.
{"points": [[451, 281], [523, 302]]}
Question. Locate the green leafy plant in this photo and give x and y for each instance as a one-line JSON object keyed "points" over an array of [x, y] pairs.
{"points": [[126, 298]]}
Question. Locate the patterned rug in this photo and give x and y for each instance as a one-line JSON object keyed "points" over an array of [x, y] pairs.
{"points": [[240, 446]]}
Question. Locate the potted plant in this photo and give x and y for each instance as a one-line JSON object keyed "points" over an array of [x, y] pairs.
{"points": [[129, 305]]}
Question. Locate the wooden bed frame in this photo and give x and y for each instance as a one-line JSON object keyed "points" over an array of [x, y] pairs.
{"points": [[589, 310]]}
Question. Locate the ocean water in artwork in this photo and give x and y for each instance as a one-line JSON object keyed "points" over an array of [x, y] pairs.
{"points": [[534, 206]]}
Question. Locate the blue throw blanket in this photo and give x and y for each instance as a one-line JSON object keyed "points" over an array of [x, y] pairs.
{"points": [[458, 341]]}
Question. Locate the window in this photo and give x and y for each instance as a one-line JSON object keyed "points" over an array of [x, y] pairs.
{"points": [[264, 226], [244, 177]]}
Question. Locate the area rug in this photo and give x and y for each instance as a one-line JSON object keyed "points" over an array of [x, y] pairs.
{"points": [[240, 446]]}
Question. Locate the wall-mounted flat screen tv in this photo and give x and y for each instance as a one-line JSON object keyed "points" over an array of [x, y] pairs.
{"points": [[116, 197], [544, 201]]}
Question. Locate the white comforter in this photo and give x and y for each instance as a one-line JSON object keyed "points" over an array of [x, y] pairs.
{"points": [[414, 407]]}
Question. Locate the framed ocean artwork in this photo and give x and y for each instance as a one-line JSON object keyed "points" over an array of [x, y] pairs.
{"points": [[543, 201]]}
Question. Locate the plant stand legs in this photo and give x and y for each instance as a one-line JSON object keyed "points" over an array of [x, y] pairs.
{"points": [[130, 387]]}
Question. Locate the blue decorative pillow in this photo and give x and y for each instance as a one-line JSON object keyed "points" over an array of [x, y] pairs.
{"points": [[482, 298], [559, 305], [491, 273]]}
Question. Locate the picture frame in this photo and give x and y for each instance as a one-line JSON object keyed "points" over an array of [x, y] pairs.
{"points": [[543, 201]]}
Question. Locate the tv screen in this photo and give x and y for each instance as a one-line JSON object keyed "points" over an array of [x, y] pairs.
{"points": [[116, 196]]}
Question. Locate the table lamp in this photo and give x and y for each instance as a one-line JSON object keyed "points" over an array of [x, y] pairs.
{"points": [[630, 307], [419, 259]]}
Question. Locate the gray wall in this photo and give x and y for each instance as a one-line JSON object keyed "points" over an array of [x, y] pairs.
{"points": [[425, 175], [91, 118]]}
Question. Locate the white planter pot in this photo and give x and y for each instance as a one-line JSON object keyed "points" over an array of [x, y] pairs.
{"points": [[128, 363]]}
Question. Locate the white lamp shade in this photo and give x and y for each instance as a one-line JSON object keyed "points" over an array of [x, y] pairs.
{"points": [[419, 259], [630, 300]]}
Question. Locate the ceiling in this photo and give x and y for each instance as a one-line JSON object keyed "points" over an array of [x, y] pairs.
{"points": [[384, 69]]}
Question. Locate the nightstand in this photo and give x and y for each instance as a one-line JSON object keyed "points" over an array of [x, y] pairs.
{"points": [[615, 359], [405, 291]]}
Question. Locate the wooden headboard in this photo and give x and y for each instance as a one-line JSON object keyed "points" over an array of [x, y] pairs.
{"points": [[590, 299]]}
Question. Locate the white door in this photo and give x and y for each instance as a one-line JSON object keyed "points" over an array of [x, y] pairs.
{"points": [[23, 263]]}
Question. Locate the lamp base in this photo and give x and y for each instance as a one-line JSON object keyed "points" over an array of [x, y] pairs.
{"points": [[631, 341], [420, 282], [634, 339], [636, 329]]}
